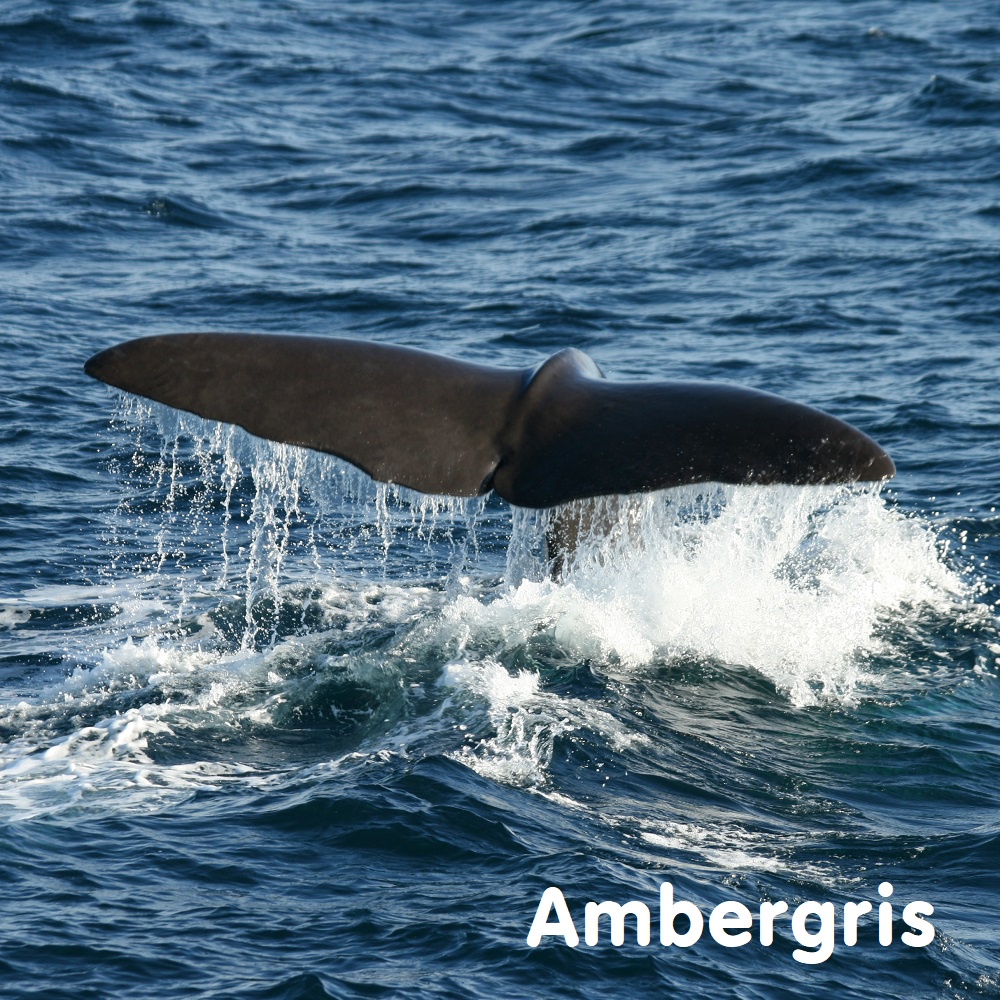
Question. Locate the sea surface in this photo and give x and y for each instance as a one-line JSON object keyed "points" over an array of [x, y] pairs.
{"points": [[270, 730]]}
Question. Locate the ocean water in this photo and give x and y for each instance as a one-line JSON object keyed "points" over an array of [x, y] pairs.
{"points": [[272, 731]]}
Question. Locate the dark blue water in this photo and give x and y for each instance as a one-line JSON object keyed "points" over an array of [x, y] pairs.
{"points": [[272, 731]]}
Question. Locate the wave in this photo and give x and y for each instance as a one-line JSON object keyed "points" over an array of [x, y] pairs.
{"points": [[269, 609]]}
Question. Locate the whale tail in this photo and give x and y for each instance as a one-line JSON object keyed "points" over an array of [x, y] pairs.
{"points": [[538, 436]]}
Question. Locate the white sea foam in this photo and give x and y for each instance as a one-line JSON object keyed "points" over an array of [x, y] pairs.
{"points": [[805, 586], [523, 721], [86, 738], [798, 583], [728, 847], [223, 536]]}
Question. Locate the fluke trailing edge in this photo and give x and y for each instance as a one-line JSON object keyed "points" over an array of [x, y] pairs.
{"points": [[538, 436]]}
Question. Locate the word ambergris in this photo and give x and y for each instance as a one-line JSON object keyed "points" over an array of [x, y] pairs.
{"points": [[729, 923]]}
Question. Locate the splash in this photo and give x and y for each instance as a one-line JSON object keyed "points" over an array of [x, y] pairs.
{"points": [[221, 515], [803, 584], [259, 597]]}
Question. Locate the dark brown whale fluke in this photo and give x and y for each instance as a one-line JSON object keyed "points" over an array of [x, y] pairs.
{"points": [[538, 436]]}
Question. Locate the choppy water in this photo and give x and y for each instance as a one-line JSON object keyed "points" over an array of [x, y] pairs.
{"points": [[272, 731]]}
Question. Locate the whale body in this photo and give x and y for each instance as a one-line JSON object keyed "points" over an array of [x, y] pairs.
{"points": [[538, 436]]}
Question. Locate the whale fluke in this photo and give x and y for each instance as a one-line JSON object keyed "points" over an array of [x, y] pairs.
{"points": [[538, 436]]}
